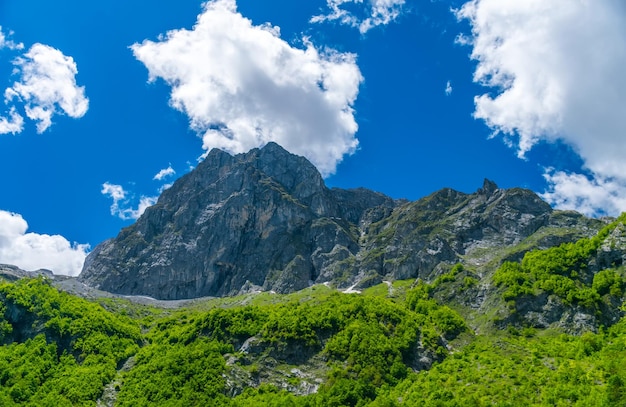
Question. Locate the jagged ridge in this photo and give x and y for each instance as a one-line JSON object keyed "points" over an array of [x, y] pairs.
{"points": [[265, 220]]}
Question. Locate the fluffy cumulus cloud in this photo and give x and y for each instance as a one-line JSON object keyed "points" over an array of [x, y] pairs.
{"points": [[47, 86], [362, 16], [242, 86], [121, 206], [555, 70], [32, 251]]}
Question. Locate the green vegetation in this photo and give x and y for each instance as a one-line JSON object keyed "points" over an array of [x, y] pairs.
{"points": [[396, 344], [512, 370], [368, 343], [562, 271], [58, 349]]}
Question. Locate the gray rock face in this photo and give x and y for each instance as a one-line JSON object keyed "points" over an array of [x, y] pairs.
{"points": [[265, 219], [12, 273]]}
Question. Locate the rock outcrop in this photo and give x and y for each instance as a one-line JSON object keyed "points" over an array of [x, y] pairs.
{"points": [[265, 220], [13, 273]]}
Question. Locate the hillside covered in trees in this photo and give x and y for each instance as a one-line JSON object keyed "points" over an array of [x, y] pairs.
{"points": [[549, 329]]}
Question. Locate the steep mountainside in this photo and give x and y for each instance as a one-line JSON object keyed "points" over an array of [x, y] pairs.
{"points": [[264, 220]]}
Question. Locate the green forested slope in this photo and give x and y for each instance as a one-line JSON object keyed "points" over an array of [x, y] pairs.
{"points": [[58, 350], [392, 345]]}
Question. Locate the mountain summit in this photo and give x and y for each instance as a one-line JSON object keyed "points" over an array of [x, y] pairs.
{"points": [[265, 220], [260, 219]]}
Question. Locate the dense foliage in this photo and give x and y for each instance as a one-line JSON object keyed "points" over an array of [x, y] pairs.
{"points": [[563, 271], [368, 343], [58, 349], [394, 345], [516, 370]]}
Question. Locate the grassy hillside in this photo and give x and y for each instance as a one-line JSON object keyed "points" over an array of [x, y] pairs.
{"points": [[467, 338]]}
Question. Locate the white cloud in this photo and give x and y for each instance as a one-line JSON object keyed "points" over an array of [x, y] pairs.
{"points": [[164, 187], [242, 86], [448, 88], [14, 124], [121, 202], [376, 12], [166, 172], [7, 43], [556, 71], [592, 196], [144, 203], [115, 192], [32, 251], [47, 86]]}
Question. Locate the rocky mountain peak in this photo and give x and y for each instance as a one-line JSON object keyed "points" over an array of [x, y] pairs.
{"points": [[295, 173], [265, 220], [488, 188]]}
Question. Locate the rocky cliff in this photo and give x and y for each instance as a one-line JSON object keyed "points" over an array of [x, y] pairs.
{"points": [[265, 220]]}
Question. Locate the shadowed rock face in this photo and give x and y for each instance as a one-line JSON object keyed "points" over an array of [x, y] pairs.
{"points": [[266, 220]]}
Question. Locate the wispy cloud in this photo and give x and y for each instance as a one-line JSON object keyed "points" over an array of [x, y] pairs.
{"points": [[32, 251], [592, 195], [448, 88], [359, 15], [555, 71], [164, 187], [121, 206], [13, 124], [8, 43], [166, 172], [242, 86]]}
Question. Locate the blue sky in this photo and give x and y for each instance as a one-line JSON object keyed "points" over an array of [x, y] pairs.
{"points": [[107, 103]]}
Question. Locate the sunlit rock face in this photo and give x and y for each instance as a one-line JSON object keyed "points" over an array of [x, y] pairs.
{"points": [[265, 220], [261, 220]]}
